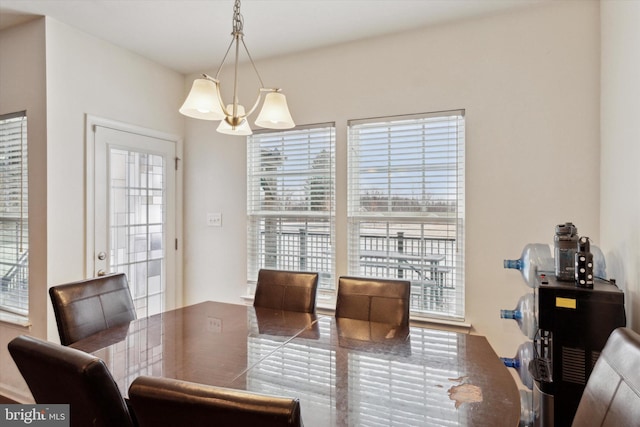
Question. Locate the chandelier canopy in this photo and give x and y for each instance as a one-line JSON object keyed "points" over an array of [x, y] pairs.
{"points": [[205, 100]]}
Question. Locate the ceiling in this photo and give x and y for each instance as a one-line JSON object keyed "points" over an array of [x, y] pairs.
{"points": [[192, 35]]}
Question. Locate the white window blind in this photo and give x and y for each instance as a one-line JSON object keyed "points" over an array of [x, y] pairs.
{"points": [[14, 227], [290, 201], [406, 206]]}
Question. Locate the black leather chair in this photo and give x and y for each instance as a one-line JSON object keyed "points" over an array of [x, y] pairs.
{"points": [[88, 306], [374, 300], [286, 290], [164, 402], [57, 374], [612, 395]]}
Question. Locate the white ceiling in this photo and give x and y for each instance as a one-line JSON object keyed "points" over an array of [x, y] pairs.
{"points": [[192, 35]]}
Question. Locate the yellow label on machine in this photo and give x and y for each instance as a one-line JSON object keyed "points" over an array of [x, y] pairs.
{"points": [[565, 302]]}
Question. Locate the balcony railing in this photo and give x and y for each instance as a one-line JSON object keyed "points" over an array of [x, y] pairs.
{"points": [[427, 263], [14, 265]]}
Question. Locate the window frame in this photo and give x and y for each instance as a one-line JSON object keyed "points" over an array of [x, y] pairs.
{"points": [[14, 210], [317, 250], [412, 222]]}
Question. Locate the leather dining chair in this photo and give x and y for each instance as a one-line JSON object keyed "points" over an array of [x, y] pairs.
{"points": [[57, 374], [286, 290], [88, 306], [612, 395], [374, 300], [164, 402]]}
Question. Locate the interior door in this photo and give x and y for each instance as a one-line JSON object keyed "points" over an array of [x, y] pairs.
{"points": [[134, 214]]}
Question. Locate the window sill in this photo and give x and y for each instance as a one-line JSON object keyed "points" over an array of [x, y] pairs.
{"points": [[14, 319]]}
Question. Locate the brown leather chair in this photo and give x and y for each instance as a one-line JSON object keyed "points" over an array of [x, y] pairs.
{"points": [[374, 300], [612, 395], [160, 402], [57, 374], [88, 306], [286, 290]]}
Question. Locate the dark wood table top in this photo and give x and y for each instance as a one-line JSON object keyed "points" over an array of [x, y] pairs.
{"points": [[345, 372]]}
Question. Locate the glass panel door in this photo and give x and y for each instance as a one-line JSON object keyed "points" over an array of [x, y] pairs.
{"points": [[135, 215]]}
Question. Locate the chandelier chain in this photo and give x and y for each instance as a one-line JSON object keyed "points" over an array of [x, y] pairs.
{"points": [[238, 20]]}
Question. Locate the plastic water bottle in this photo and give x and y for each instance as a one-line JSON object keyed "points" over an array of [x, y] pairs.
{"points": [[599, 263], [521, 363], [527, 411], [524, 314], [536, 259]]}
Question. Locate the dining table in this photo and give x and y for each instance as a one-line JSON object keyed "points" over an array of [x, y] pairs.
{"points": [[345, 372]]}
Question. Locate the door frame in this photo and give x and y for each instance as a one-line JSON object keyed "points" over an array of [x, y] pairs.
{"points": [[171, 301]]}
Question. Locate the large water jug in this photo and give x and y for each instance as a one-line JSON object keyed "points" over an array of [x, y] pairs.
{"points": [[536, 259], [524, 314], [527, 410], [520, 362], [599, 263]]}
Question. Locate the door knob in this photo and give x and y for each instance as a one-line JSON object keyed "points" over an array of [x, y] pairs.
{"points": [[101, 273], [102, 256]]}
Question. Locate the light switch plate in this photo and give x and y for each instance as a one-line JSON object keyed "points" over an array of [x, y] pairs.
{"points": [[214, 219]]}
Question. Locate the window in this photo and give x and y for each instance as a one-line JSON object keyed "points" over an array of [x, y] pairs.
{"points": [[290, 202], [406, 206], [14, 226]]}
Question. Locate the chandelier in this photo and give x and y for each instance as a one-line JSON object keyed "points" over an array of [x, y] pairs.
{"points": [[205, 101]]}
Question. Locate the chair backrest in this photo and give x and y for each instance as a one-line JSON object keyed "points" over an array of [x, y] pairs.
{"points": [[159, 402], [57, 374], [286, 290], [88, 306], [374, 300], [612, 395]]}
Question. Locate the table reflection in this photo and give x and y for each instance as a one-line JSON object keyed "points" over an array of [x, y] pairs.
{"points": [[266, 321], [367, 381]]}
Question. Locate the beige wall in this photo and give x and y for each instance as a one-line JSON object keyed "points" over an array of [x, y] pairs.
{"points": [[529, 81], [620, 153], [23, 87], [84, 75]]}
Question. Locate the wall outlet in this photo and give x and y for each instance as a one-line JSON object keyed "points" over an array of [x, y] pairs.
{"points": [[214, 325], [214, 219]]}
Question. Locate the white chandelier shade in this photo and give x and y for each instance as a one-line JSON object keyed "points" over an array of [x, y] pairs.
{"points": [[205, 100], [241, 129], [202, 101], [275, 112]]}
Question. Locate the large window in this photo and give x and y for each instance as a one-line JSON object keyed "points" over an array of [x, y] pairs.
{"points": [[406, 206], [291, 209], [14, 230]]}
